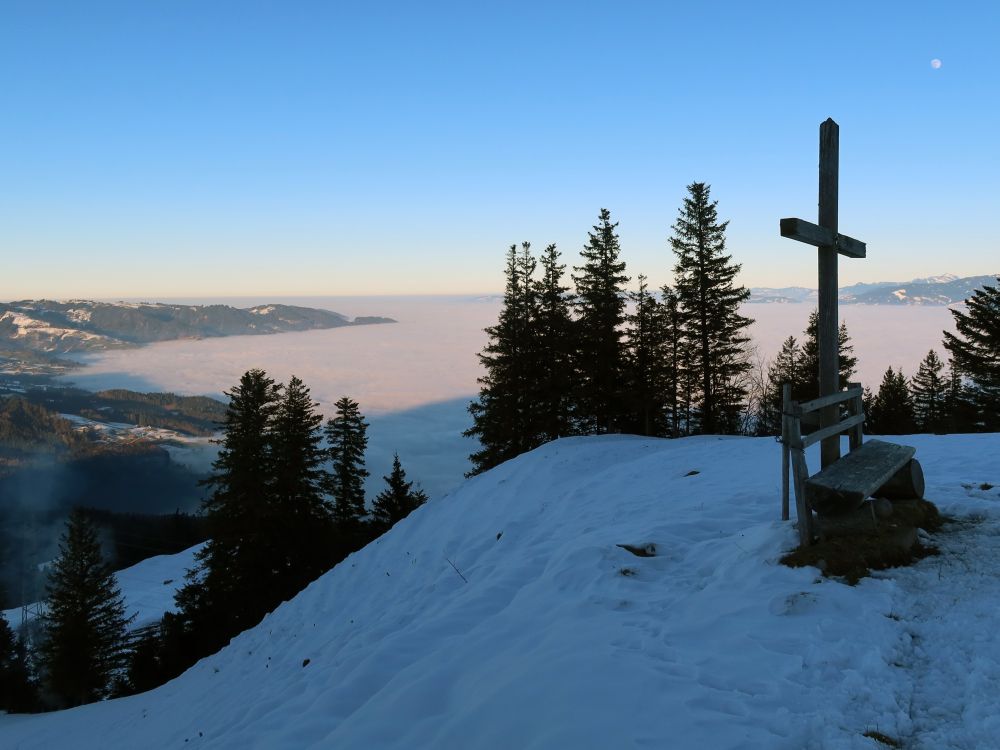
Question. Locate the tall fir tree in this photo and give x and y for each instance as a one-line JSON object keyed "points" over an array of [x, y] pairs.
{"points": [[647, 362], [18, 693], [600, 308], [85, 644], [303, 518], [704, 277], [975, 349], [229, 589], [552, 337], [397, 500], [347, 435], [500, 415], [930, 394], [806, 383], [890, 411]]}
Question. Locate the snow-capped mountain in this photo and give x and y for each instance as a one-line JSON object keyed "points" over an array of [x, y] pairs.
{"points": [[77, 325], [946, 289], [508, 615]]}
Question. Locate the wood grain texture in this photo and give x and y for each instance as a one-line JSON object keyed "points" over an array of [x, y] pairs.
{"points": [[843, 486], [812, 234]]}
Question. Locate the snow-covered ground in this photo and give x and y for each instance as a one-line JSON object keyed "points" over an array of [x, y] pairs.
{"points": [[505, 615], [148, 588]]}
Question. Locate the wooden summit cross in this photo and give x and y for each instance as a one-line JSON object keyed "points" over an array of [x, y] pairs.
{"points": [[824, 236]]}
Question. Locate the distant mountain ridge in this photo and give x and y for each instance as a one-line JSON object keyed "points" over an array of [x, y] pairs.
{"points": [[946, 289], [83, 325]]}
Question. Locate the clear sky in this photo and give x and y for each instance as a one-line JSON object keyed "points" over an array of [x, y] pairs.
{"points": [[170, 148]]}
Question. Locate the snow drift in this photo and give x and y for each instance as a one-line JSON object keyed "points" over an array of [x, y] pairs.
{"points": [[506, 615]]}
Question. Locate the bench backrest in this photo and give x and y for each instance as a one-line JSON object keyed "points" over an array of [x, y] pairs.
{"points": [[801, 412], [794, 443]]}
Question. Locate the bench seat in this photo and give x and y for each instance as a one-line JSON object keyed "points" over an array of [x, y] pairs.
{"points": [[846, 484]]}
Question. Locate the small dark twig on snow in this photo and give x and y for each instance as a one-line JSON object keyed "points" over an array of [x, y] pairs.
{"points": [[457, 570]]}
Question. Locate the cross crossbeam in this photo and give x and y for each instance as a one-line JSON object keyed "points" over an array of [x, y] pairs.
{"points": [[813, 234]]}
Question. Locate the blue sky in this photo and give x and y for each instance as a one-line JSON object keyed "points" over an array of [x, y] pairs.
{"points": [[191, 148]]}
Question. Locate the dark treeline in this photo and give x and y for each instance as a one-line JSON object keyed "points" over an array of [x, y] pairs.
{"points": [[27, 541], [190, 415], [962, 395], [286, 503], [677, 361], [671, 363]]}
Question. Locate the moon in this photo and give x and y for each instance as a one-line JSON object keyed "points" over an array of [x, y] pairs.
{"points": [[935, 63]]}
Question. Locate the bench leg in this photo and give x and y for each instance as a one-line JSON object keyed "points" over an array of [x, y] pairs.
{"points": [[802, 510]]}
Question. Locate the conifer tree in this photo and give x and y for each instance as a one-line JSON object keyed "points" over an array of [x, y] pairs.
{"points": [[552, 337], [303, 519], [930, 393], [890, 412], [960, 408], [85, 645], [347, 435], [17, 690], [500, 414], [785, 368], [296, 453], [975, 348], [600, 308], [704, 277], [396, 501], [647, 363], [806, 382], [676, 365], [228, 589]]}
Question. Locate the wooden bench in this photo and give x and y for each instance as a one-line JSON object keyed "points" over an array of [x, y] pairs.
{"points": [[872, 468]]}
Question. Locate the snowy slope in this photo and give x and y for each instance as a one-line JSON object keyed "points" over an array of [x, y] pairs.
{"points": [[148, 588], [505, 616]]}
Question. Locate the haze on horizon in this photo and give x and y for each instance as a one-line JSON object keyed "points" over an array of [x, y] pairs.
{"points": [[165, 150]]}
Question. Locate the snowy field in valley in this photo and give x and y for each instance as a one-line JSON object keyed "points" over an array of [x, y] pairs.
{"points": [[148, 587], [505, 615], [414, 379]]}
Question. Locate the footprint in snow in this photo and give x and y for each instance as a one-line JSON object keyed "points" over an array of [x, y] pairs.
{"points": [[793, 604]]}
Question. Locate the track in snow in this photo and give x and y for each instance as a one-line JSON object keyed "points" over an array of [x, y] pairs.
{"points": [[948, 607]]}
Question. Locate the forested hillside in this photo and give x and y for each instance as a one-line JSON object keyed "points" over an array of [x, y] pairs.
{"points": [[81, 325]]}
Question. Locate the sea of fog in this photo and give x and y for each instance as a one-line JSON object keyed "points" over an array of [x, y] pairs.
{"points": [[415, 378]]}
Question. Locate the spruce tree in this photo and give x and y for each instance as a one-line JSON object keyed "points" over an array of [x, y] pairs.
{"points": [[891, 410], [303, 519], [17, 690], [229, 589], [551, 333], [500, 415], [960, 408], [704, 277], [785, 368], [676, 365], [396, 501], [930, 394], [647, 364], [347, 435], [600, 308], [85, 642], [975, 348], [806, 382]]}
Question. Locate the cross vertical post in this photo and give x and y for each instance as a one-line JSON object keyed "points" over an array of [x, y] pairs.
{"points": [[830, 243], [827, 327]]}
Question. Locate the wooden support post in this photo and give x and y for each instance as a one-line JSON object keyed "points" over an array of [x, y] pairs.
{"points": [[803, 513], [786, 404], [827, 329], [853, 409]]}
